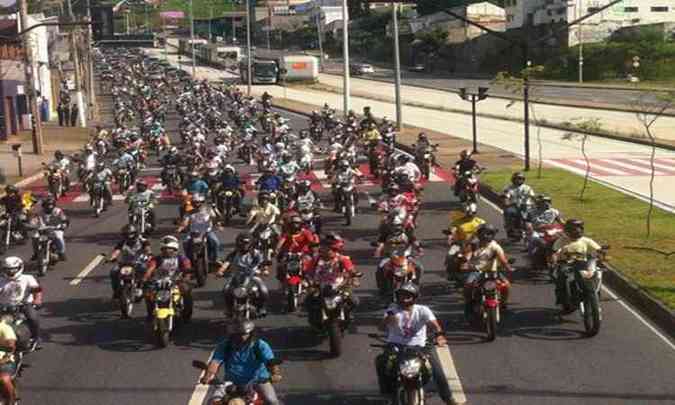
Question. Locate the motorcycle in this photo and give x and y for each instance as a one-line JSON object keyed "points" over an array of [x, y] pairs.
{"points": [[469, 187], [425, 159], [578, 287], [541, 255], [97, 197], [200, 256], [131, 285], [243, 295], [294, 281], [174, 182], [310, 217], [390, 279], [410, 371], [328, 314], [346, 199], [235, 394], [168, 305], [486, 302], [265, 242], [227, 204], [123, 178], [14, 316], [46, 252], [8, 231], [140, 216]]}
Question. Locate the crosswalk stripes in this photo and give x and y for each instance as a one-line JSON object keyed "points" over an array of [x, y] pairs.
{"points": [[617, 166]]}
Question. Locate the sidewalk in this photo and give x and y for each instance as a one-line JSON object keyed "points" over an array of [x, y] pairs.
{"points": [[66, 139]]}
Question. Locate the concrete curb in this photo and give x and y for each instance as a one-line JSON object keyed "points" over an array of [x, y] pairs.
{"points": [[624, 138], [657, 312]]}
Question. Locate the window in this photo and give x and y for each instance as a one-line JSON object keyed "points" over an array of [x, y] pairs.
{"points": [[663, 9], [630, 9]]}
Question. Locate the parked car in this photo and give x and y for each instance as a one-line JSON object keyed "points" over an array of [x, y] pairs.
{"points": [[360, 69], [417, 68]]}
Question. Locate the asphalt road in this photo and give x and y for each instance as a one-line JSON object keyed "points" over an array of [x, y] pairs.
{"points": [[558, 94], [90, 355]]}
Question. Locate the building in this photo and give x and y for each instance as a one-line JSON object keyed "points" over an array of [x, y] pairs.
{"points": [[485, 13], [533, 13]]}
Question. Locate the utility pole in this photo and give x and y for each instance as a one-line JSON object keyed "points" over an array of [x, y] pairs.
{"points": [[397, 66], [92, 95], [31, 94], [249, 62], [210, 21], [269, 26], [192, 40], [345, 56], [318, 29], [581, 47], [75, 54]]}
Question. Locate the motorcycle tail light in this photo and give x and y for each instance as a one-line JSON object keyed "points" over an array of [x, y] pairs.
{"points": [[294, 280], [410, 368]]}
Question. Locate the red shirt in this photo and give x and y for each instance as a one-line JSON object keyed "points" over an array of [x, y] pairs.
{"points": [[299, 242], [326, 272]]}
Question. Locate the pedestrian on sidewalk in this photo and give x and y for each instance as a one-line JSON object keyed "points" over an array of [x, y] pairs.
{"points": [[61, 111], [74, 113], [66, 114]]}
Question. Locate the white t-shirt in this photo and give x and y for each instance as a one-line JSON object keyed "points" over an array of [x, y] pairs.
{"points": [[411, 327], [15, 292]]}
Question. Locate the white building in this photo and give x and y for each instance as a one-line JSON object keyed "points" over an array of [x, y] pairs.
{"points": [[485, 13], [595, 29]]}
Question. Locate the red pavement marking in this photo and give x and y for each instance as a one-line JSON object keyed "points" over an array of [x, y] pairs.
{"points": [[609, 164], [645, 165], [666, 161], [595, 171]]}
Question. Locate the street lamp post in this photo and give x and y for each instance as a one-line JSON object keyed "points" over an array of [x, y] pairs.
{"points": [[346, 90], [636, 66], [397, 67], [474, 98], [192, 40]]}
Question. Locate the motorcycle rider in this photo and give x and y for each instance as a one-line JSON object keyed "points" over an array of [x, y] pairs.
{"points": [[51, 215], [201, 220], [460, 233], [246, 359], [406, 166], [516, 197], [170, 264], [264, 213], [13, 203], [371, 136], [125, 253], [542, 214], [62, 163], [126, 161], [327, 267], [8, 365], [196, 185], [578, 250], [297, 239], [103, 175], [172, 158], [245, 258], [17, 288], [269, 182], [405, 324], [230, 181], [344, 174], [463, 165], [142, 194], [486, 256]]}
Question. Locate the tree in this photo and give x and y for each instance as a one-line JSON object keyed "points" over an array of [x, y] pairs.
{"points": [[586, 127], [425, 7], [358, 8], [649, 108], [432, 41]]}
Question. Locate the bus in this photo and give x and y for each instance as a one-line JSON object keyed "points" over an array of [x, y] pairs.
{"points": [[263, 71]]}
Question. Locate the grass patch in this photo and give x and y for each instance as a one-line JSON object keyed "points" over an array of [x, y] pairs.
{"points": [[202, 8], [616, 219]]}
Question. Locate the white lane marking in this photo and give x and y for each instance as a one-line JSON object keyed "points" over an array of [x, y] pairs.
{"points": [[29, 180], [91, 266], [200, 391], [448, 370], [85, 198], [611, 293]]}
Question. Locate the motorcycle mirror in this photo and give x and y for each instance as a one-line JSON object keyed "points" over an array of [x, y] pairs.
{"points": [[199, 364]]}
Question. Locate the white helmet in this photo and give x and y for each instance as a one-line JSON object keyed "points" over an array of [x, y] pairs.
{"points": [[12, 267], [170, 242]]}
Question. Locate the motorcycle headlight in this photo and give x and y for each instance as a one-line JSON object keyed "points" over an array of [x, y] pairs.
{"points": [[3, 222], [266, 234], [239, 292], [331, 302], [43, 238], [410, 368], [228, 194], [126, 271], [163, 296], [490, 285]]}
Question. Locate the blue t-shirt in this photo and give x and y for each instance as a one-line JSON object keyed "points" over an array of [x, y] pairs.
{"points": [[269, 183], [198, 187], [230, 182], [244, 365]]}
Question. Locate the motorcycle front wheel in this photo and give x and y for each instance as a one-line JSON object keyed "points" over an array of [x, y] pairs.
{"points": [[163, 332], [126, 303], [335, 338], [591, 314], [409, 396], [491, 324], [200, 272]]}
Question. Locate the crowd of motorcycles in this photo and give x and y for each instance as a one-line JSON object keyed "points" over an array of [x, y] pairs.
{"points": [[218, 126]]}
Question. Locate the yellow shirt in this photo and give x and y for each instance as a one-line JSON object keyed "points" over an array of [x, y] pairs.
{"points": [[580, 249], [372, 135], [264, 216], [465, 227], [6, 335]]}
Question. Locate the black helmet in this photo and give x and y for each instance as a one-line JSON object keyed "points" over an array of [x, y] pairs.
{"points": [[58, 154], [403, 158], [574, 228], [11, 189], [422, 136], [410, 290], [518, 177], [141, 186], [129, 231], [486, 232], [244, 240], [49, 203]]}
